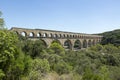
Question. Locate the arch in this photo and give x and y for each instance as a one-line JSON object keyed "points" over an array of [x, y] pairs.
{"points": [[67, 36], [77, 44], [50, 35], [73, 36], [57, 41], [89, 43], [55, 35], [85, 44], [45, 35], [43, 42], [39, 34], [16, 32], [60, 35], [64, 35], [70, 36], [67, 44], [31, 34], [24, 33]]}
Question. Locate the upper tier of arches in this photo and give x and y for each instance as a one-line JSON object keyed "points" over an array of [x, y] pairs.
{"points": [[33, 33]]}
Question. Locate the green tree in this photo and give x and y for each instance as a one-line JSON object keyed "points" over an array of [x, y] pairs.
{"points": [[1, 21], [102, 74], [111, 37], [33, 48], [10, 58], [56, 48], [62, 67], [39, 68], [1, 74]]}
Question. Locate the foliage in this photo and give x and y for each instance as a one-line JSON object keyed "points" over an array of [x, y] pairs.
{"points": [[1, 22], [62, 68], [38, 69], [33, 48], [7, 49], [111, 37], [57, 48], [1, 74], [23, 59], [102, 74]]}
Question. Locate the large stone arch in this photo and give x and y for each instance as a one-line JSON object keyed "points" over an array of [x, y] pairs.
{"points": [[16, 32], [57, 41], [68, 44], [85, 43], [77, 44], [44, 42]]}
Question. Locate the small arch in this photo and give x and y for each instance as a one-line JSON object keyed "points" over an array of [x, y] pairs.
{"points": [[85, 44], [55, 35], [38, 34], [50, 35], [77, 44], [68, 44], [31, 34], [67, 36], [64, 35], [70, 36], [60, 35], [24, 33], [45, 35]]}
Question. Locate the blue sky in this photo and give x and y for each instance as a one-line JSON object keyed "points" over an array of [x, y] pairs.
{"points": [[83, 16]]}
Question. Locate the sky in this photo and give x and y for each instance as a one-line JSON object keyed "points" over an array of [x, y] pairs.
{"points": [[82, 16]]}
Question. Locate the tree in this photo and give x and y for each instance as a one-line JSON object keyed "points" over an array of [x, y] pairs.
{"points": [[7, 49], [11, 57], [57, 49], [39, 68], [1, 21], [1, 74], [111, 37], [102, 74], [33, 48]]}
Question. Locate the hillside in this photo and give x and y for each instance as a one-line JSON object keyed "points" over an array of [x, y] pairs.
{"points": [[112, 37]]}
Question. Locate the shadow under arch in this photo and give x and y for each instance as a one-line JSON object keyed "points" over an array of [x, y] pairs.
{"points": [[89, 43], [93, 42], [68, 44], [85, 44], [77, 44]]}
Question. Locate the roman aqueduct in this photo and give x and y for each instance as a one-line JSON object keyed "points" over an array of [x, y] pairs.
{"points": [[68, 40]]}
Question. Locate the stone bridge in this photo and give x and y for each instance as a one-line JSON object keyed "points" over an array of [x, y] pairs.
{"points": [[69, 40]]}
